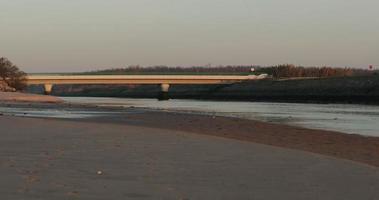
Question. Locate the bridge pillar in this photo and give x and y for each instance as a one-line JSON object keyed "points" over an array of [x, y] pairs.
{"points": [[163, 95], [48, 88]]}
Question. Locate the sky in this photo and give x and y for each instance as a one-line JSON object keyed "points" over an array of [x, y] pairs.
{"points": [[83, 35]]}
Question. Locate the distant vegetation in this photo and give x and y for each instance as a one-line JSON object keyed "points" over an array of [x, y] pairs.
{"points": [[158, 70], [277, 72], [12, 75]]}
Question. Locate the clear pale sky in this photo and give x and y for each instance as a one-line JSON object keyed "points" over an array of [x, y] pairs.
{"points": [[80, 35]]}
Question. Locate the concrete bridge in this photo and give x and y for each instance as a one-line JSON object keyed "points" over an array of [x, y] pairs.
{"points": [[48, 81]]}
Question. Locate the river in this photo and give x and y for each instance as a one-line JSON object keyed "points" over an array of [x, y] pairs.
{"points": [[347, 118]]}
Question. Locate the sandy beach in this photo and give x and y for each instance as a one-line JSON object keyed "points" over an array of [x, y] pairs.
{"points": [[60, 159]]}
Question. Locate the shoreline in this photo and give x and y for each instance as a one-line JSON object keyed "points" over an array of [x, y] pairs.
{"points": [[353, 147]]}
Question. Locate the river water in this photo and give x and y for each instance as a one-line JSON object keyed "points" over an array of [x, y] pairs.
{"points": [[348, 118]]}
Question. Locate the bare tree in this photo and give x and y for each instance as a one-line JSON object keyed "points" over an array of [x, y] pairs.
{"points": [[12, 75]]}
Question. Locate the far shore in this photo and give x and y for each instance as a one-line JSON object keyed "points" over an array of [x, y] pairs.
{"points": [[344, 90], [340, 145]]}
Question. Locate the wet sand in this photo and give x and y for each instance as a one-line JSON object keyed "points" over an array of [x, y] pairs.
{"points": [[353, 147], [106, 158]]}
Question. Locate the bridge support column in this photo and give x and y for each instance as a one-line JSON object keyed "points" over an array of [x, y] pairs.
{"points": [[48, 88], [163, 95]]}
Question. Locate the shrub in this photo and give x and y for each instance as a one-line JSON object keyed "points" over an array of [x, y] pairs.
{"points": [[12, 75]]}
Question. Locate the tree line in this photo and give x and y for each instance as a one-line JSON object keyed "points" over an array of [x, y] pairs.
{"points": [[137, 69], [289, 71]]}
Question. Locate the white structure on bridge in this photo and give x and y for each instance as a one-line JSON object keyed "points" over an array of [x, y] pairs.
{"points": [[164, 80]]}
